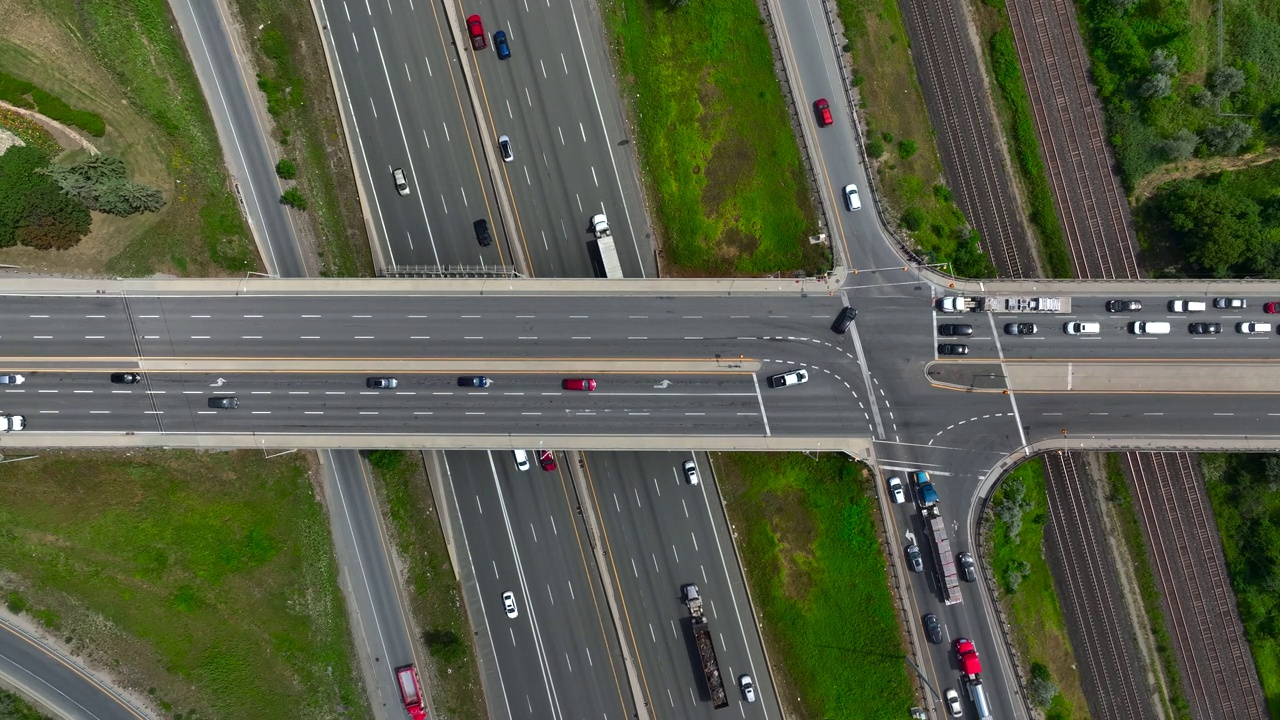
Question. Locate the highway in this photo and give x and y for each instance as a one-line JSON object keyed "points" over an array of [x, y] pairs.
{"points": [[411, 104]]}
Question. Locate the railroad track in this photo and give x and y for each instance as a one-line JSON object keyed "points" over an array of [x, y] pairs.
{"points": [[1068, 118], [950, 78], [1093, 605], [1217, 670]]}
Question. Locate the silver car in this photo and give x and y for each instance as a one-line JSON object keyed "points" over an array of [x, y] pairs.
{"points": [[402, 185], [12, 379]]}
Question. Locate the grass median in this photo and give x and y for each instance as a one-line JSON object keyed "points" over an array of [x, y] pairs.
{"points": [[714, 138], [204, 580], [806, 530], [434, 598], [1027, 592]]}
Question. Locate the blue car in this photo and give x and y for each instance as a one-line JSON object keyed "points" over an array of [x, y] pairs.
{"points": [[500, 44]]}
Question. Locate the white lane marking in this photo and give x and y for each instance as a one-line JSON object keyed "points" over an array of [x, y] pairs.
{"points": [[309, 337], [251, 316], [199, 337], [312, 412], [99, 412], [250, 337], [260, 412], [368, 412], [335, 392], [311, 316], [82, 391], [48, 412], [299, 392], [419, 337], [150, 337], [422, 412], [760, 398], [42, 337], [94, 337]]}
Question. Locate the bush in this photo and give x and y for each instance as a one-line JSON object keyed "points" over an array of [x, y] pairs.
{"points": [[1227, 139], [1041, 689], [1156, 86], [102, 184], [914, 218], [25, 95], [875, 149], [33, 210], [294, 198], [286, 169], [907, 149], [1164, 63], [1181, 145], [1225, 80]]}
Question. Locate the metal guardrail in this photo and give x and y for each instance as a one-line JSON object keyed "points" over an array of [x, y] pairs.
{"points": [[448, 271]]}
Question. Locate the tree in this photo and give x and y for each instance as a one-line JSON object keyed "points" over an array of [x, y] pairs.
{"points": [[102, 183], [1271, 467], [906, 149], [1180, 145], [286, 169], [1225, 80], [52, 220], [1164, 63], [1227, 139], [1156, 86], [1215, 228]]}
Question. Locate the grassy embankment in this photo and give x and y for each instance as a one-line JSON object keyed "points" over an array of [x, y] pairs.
{"points": [[899, 134], [1245, 492], [808, 537], [1135, 544], [434, 595], [13, 707], [714, 139], [206, 581], [295, 79], [124, 61], [1027, 592]]}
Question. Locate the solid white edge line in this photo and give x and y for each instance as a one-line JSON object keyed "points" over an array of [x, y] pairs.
{"points": [[760, 399]]}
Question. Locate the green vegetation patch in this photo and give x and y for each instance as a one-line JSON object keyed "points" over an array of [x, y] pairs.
{"points": [[715, 138], [1166, 96], [23, 94], [13, 707], [137, 42], [1020, 510], [808, 539], [220, 565], [435, 598], [1245, 492], [1026, 152], [295, 80], [1224, 225], [1121, 500], [894, 111]]}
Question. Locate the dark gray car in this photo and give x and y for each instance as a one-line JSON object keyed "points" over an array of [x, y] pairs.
{"points": [[968, 570], [955, 330], [482, 232], [933, 629], [1020, 329], [224, 402], [914, 558]]}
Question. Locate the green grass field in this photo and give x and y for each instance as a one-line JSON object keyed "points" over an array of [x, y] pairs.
{"points": [[206, 578], [714, 139], [807, 534], [434, 598], [1039, 629]]}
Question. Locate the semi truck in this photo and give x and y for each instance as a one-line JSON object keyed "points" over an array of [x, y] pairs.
{"points": [[411, 692], [605, 248], [706, 649], [1003, 303], [931, 511], [971, 672]]}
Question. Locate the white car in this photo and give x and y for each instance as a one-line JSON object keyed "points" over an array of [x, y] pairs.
{"points": [[402, 185], [1076, 327], [895, 490], [952, 698], [13, 423], [12, 379], [748, 688], [691, 472], [504, 148], [1253, 328], [787, 379], [851, 199], [522, 459], [509, 604]]}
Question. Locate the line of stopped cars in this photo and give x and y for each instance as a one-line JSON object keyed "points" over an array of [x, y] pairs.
{"points": [[1137, 327]]}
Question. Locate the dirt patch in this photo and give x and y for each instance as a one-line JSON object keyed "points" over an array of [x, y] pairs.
{"points": [[1197, 167]]}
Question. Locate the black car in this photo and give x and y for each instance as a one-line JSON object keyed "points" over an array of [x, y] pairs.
{"points": [[843, 320], [381, 383], [1020, 329], [224, 402], [968, 570], [479, 381], [953, 349], [482, 232], [1123, 306], [933, 629], [952, 330], [126, 378], [1204, 328]]}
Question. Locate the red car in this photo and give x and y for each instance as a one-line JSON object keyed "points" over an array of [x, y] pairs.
{"points": [[1271, 307], [476, 29], [547, 460], [586, 384], [823, 111]]}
